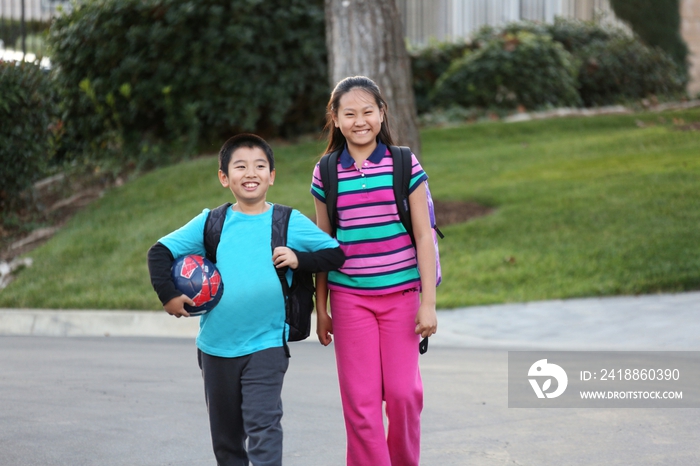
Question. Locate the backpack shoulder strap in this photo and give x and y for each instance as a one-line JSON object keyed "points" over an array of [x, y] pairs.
{"points": [[280, 223], [212, 230], [329, 177], [402, 181]]}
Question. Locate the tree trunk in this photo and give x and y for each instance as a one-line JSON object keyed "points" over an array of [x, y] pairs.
{"points": [[365, 37]]}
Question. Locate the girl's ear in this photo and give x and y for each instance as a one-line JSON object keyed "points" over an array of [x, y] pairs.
{"points": [[335, 120]]}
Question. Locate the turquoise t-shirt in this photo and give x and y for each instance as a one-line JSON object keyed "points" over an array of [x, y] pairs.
{"points": [[250, 315]]}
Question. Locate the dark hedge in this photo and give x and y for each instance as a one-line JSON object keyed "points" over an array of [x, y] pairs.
{"points": [[27, 119], [143, 78]]}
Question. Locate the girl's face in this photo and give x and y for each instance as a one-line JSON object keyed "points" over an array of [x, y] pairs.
{"points": [[359, 118]]}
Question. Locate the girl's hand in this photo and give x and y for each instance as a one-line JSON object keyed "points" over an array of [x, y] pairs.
{"points": [[282, 256], [426, 320], [176, 306], [324, 327]]}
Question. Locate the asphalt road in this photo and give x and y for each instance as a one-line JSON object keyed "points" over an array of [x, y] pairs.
{"points": [[139, 401]]}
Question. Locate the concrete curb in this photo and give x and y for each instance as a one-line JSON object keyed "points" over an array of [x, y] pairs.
{"points": [[74, 323], [87, 323], [660, 322]]}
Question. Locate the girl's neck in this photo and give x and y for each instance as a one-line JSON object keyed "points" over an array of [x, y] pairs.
{"points": [[361, 153]]}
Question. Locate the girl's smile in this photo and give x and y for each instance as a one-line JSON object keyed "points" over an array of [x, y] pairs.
{"points": [[359, 119]]}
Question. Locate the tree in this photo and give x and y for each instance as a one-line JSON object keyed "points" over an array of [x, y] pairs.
{"points": [[365, 37]]}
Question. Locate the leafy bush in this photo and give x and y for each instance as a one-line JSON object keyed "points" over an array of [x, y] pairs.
{"points": [[657, 22], [428, 64], [573, 34], [625, 69], [613, 66], [511, 70], [27, 110], [141, 78]]}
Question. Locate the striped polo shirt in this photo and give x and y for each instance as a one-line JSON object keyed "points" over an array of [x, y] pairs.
{"points": [[380, 258]]}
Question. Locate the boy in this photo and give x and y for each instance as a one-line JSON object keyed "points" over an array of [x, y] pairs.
{"points": [[240, 349]]}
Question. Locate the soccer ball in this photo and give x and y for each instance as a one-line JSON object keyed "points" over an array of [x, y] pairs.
{"points": [[198, 278]]}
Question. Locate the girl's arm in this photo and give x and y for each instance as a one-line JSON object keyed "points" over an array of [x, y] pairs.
{"points": [[324, 323], [426, 318]]}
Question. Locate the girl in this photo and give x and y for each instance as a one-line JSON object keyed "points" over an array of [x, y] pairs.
{"points": [[383, 298]]}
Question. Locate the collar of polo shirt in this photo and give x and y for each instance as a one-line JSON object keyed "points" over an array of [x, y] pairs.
{"points": [[346, 160]]}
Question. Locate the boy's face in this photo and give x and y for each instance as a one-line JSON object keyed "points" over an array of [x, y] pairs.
{"points": [[249, 175]]}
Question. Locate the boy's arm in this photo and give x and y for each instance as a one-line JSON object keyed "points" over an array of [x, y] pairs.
{"points": [[313, 248], [323, 260], [160, 260]]}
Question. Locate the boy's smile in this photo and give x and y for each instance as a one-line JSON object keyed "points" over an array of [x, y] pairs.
{"points": [[249, 177]]}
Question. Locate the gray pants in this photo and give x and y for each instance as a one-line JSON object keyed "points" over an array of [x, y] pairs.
{"points": [[244, 400]]}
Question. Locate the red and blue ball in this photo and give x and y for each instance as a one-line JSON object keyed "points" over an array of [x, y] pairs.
{"points": [[199, 279]]}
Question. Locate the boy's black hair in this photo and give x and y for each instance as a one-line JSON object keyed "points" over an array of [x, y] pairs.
{"points": [[244, 140]]}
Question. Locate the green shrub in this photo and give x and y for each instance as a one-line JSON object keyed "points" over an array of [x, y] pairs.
{"points": [[575, 34], [614, 66], [625, 69], [428, 64], [657, 22], [27, 110], [511, 70], [488, 33], [141, 78]]}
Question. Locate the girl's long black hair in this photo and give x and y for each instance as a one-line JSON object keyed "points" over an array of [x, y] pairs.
{"points": [[336, 140]]}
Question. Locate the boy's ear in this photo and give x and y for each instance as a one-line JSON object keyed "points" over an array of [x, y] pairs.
{"points": [[223, 179], [272, 176]]}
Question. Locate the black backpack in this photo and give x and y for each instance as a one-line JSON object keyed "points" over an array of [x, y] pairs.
{"points": [[299, 298]]}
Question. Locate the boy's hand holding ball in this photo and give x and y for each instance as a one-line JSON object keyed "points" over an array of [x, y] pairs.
{"points": [[176, 306]]}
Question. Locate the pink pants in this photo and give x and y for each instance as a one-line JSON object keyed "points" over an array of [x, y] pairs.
{"points": [[377, 355]]}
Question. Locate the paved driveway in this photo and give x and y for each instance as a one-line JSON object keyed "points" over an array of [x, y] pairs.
{"points": [[138, 401]]}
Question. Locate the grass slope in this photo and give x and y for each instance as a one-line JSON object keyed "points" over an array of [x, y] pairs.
{"points": [[584, 207]]}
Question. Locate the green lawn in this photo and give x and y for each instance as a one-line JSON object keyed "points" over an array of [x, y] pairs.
{"points": [[584, 207]]}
